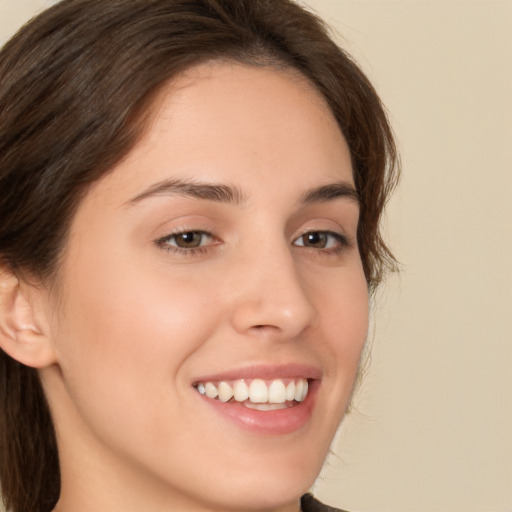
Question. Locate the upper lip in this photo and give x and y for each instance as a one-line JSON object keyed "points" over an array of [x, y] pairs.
{"points": [[265, 372]]}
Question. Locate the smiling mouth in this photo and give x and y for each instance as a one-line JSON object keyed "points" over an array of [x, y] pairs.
{"points": [[257, 393]]}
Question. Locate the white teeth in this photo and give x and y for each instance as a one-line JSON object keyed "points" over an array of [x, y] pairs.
{"points": [[290, 391], [266, 407], [275, 394], [225, 392], [299, 388], [305, 391], [241, 391], [258, 392], [211, 390]]}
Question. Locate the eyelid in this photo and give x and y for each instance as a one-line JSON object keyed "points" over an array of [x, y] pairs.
{"points": [[162, 242], [184, 232], [342, 240], [337, 244]]}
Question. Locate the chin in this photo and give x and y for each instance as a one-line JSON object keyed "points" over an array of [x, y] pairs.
{"points": [[263, 482], [262, 493]]}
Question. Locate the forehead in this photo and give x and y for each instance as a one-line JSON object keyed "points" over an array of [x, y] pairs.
{"points": [[232, 123]]}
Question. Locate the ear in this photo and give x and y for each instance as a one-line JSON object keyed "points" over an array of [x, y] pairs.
{"points": [[24, 328]]}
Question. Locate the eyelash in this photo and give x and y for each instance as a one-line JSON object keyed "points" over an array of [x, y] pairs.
{"points": [[193, 251], [341, 242]]}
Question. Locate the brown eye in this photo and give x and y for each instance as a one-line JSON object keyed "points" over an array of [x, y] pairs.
{"points": [[316, 240], [187, 240], [321, 240]]}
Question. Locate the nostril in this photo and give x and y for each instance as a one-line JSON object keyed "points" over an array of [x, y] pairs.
{"points": [[264, 327], [275, 333]]}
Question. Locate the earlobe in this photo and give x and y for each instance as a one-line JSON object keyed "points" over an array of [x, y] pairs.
{"points": [[23, 330]]}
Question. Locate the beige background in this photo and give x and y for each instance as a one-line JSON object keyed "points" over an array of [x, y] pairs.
{"points": [[431, 429]]}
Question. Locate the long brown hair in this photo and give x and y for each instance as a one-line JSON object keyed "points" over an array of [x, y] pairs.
{"points": [[76, 86]]}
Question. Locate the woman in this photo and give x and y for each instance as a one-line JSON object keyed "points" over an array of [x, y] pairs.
{"points": [[190, 201]]}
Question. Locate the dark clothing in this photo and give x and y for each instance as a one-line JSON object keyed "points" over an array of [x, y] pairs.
{"points": [[310, 504]]}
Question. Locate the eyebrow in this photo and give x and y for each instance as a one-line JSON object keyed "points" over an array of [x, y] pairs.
{"points": [[233, 195], [207, 191], [330, 192]]}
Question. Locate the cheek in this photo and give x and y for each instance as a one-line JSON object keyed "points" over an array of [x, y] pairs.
{"points": [[125, 341], [345, 317], [126, 331], [343, 305]]}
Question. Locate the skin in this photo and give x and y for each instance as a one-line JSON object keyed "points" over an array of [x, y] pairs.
{"points": [[133, 323]]}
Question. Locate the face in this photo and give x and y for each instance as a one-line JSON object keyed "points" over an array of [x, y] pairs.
{"points": [[209, 279]]}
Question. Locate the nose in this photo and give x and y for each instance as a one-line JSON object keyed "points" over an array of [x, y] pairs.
{"points": [[273, 298]]}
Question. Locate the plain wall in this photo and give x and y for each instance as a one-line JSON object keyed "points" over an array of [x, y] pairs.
{"points": [[432, 422]]}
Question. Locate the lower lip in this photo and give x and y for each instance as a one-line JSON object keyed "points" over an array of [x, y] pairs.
{"points": [[278, 422]]}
